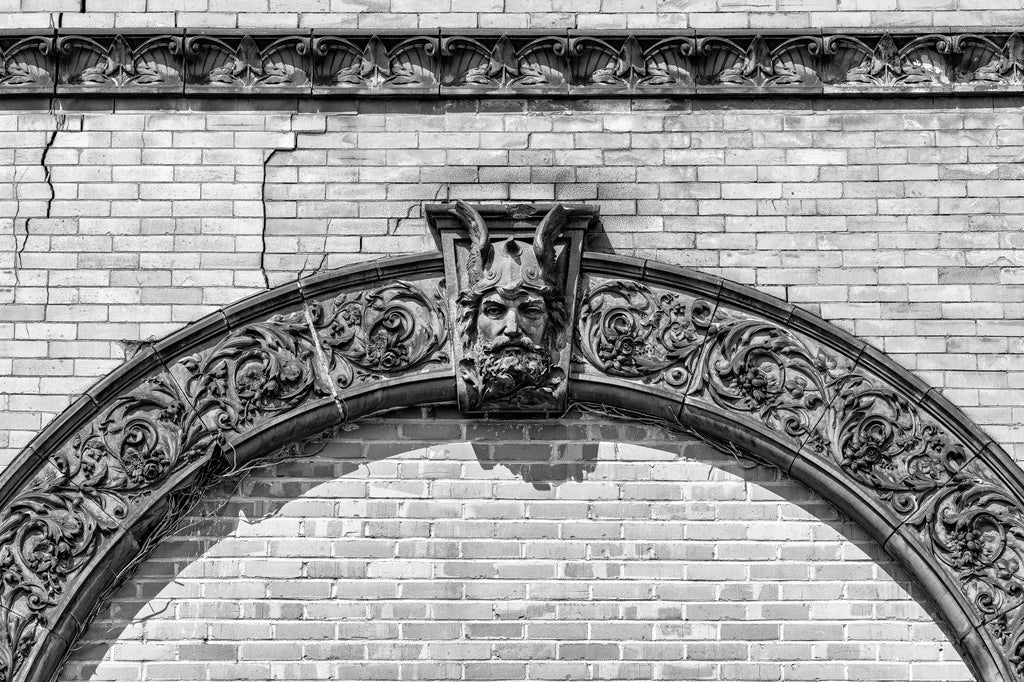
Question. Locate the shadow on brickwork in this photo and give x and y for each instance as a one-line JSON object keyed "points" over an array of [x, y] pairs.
{"points": [[543, 454]]}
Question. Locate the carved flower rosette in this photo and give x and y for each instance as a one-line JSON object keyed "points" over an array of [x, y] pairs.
{"points": [[372, 334]]}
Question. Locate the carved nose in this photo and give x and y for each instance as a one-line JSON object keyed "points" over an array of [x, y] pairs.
{"points": [[512, 327]]}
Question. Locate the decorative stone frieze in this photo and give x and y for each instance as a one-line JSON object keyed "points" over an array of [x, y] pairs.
{"points": [[246, 63], [126, 62], [369, 64], [516, 63]]}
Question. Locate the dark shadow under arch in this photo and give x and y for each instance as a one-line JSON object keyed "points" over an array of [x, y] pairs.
{"points": [[97, 487]]}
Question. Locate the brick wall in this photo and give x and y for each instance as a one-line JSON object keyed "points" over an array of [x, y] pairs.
{"points": [[899, 224], [415, 548], [591, 14]]}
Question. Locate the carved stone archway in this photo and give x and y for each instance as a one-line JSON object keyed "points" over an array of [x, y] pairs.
{"points": [[95, 490]]}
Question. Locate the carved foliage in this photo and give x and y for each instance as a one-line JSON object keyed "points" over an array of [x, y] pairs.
{"points": [[627, 330], [119, 61], [504, 62], [884, 443], [757, 368], [633, 62], [888, 61], [372, 334], [975, 528], [259, 371], [247, 62], [759, 62], [54, 528], [26, 64], [376, 63], [990, 60]]}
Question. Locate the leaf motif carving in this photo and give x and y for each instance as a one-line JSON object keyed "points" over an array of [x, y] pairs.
{"points": [[1005, 66], [370, 334], [376, 64], [627, 330]]}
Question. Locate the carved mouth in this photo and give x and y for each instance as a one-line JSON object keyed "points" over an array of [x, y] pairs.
{"points": [[526, 346]]}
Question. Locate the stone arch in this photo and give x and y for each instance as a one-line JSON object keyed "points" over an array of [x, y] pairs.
{"points": [[99, 486]]}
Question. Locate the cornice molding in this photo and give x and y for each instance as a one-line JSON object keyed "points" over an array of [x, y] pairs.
{"points": [[515, 64]]}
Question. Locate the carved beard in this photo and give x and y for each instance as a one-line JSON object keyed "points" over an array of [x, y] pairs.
{"points": [[504, 370]]}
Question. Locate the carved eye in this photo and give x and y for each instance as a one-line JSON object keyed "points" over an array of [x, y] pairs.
{"points": [[494, 310], [532, 311]]}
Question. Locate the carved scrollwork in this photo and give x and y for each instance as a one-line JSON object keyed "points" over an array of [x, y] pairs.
{"points": [[977, 530], [504, 62], [757, 367], [119, 62], [881, 440], [372, 334], [990, 60], [627, 330], [55, 527], [46, 536], [758, 63], [247, 63], [376, 63], [913, 61], [261, 370], [26, 64], [632, 63]]}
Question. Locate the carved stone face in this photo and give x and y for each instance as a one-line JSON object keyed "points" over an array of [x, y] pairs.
{"points": [[509, 320]]}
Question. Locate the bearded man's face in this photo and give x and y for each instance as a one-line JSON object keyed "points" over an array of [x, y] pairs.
{"points": [[512, 319], [511, 349]]}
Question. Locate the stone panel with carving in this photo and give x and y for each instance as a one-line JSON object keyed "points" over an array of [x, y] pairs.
{"points": [[989, 62], [617, 66], [513, 63], [379, 333], [111, 64], [473, 64], [369, 64], [892, 61], [247, 63], [92, 487], [26, 64], [747, 62], [649, 335]]}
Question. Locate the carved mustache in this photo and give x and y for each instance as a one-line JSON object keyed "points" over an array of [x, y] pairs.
{"points": [[523, 343]]}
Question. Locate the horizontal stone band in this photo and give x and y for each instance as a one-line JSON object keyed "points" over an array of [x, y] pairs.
{"points": [[528, 64]]}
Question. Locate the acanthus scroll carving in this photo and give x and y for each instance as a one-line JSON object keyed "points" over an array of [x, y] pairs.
{"points": [[262, 370], [377, 333], [52, 530], [627, 330]]}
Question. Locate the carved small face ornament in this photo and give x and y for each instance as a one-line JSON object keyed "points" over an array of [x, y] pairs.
{"points": [[509, 319]]}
